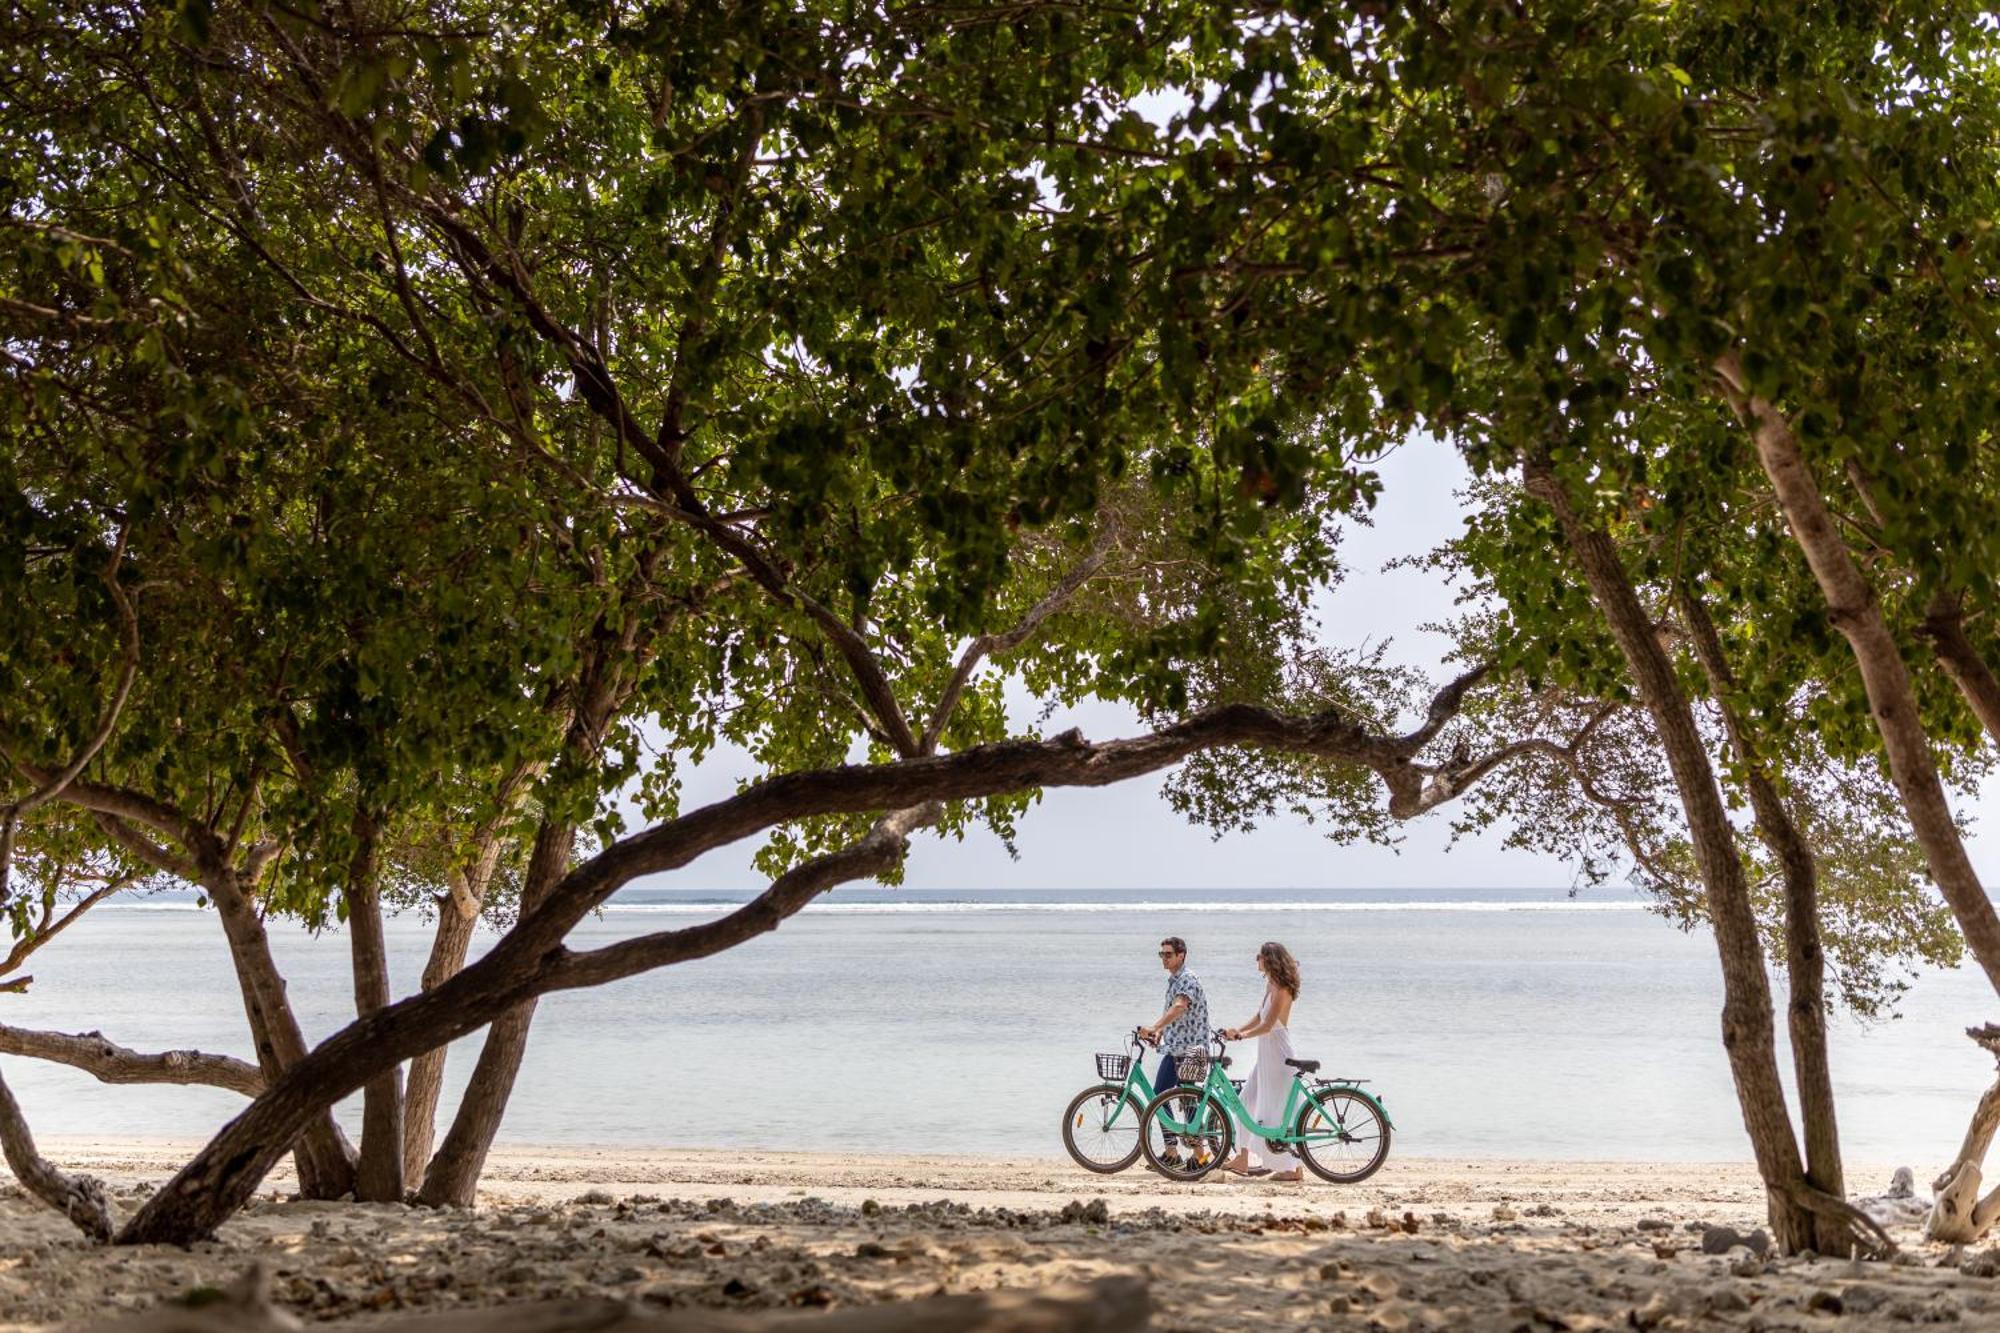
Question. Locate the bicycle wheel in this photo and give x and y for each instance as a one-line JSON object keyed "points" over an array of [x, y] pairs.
{"points": [[1101, 1129], [1179, 1155], [1342, 1135]]}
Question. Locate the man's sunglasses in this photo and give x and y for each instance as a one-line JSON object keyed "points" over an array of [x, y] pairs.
{"points": [[1170, 953]]}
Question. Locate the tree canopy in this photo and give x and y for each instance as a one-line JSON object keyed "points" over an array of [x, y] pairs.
{"points": [[432, 424]]}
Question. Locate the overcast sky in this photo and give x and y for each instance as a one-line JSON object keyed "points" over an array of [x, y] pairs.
{"points": [[1126, 837]]}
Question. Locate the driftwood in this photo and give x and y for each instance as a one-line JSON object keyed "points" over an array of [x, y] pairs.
{"points": [[1109, 1305], [1958, 1214], [79, 1198]]}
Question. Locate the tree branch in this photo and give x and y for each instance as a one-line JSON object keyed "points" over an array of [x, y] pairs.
{"points": [[876, 853], [1445, 706], [1944, 626], [987, 645], [50, 926], [1435, 787], [125, 804], [145, 848], [108, 1062]]}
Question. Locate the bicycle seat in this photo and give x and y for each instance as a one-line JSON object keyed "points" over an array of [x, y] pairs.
{"points": [[1304, 1066]]}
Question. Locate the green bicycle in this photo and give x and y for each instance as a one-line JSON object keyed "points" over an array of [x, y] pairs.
{"points": [[1340, 1132], [1096, 1128]]}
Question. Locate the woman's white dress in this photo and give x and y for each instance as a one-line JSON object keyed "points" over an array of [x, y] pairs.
{"points": [[1265, 1091]]}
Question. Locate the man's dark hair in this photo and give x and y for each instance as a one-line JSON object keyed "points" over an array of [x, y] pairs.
{"points": [[1174, 942]]}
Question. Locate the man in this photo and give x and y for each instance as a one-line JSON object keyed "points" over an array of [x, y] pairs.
{"points": [[1183, 1028]]}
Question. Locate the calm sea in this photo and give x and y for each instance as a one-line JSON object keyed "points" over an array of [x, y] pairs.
{"points": [[1497, 1022]]}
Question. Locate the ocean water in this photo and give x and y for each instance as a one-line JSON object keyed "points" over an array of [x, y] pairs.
{"points": [[1496, 1023]]}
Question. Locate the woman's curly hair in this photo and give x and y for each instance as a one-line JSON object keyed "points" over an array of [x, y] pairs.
{"points": [[1280, 966]]}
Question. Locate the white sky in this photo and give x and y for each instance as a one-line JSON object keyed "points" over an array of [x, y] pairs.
{"points": [[1126, 837]]}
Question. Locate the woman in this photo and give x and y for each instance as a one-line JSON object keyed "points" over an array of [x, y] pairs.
{"points": [[1270, 1083]]}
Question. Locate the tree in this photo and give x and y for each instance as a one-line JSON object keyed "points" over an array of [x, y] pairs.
{"points": [[1552, 239]]}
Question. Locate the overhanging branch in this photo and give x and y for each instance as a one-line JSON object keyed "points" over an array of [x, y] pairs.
{"points": [[877, 852]]}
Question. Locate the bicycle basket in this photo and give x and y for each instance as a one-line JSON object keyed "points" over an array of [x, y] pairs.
{"points": [[1191, 1068], [1113, 1066]]}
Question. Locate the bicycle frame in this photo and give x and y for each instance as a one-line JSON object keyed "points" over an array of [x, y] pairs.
{"points": [[1138, 1090], [1223, 1092]]}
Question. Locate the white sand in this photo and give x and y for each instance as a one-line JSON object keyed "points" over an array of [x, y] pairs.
{"points": [[1499, 1245]]}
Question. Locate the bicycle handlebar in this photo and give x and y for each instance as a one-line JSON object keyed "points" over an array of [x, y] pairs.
{"points": [[1139, 1041]]}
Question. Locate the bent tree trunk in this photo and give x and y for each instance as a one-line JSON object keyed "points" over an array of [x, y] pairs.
{"points": [[225, 1173], [79, 1198], [1805, 957], [1856, 612], [379, 1176], [325, 1161], [1747, 1029], [452, 1180], [531, 958]]}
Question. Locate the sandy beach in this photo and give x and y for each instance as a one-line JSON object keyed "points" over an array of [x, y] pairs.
{"points": [[1427, 1244]]}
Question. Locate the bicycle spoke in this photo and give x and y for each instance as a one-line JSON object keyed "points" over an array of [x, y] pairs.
{"points": [[1101, 1130], [1186, 1134], [1343, 1136]]}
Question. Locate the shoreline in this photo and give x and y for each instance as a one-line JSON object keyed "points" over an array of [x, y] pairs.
{"points": [[541, 1173]]}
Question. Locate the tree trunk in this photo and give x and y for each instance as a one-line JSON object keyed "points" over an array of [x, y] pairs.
{"points": [[1747, 1029], [79, 1198], [1854, 611], [1805, 959], [379, 1176], [325, 1161], [458, 921], [452, 1180], [455, 927]]}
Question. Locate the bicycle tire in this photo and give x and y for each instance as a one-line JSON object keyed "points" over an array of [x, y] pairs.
{"points": [[1193, 1167], [1078, 1110], [1329, 1102]]}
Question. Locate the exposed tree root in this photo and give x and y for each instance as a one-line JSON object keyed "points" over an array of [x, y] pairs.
{"points": [[1869, 1237]]}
